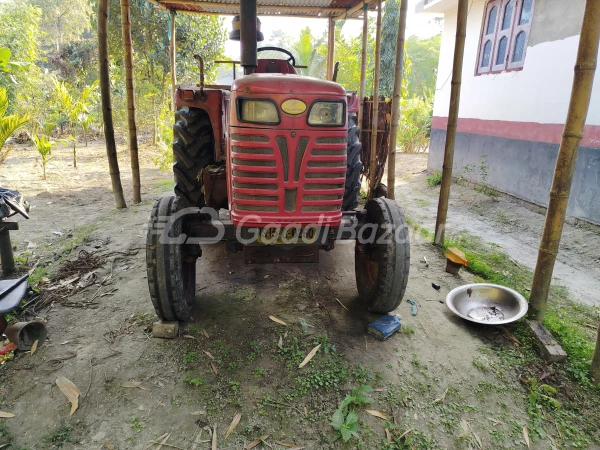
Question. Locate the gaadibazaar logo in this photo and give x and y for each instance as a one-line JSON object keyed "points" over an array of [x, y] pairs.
{"points": [[169, 230]]}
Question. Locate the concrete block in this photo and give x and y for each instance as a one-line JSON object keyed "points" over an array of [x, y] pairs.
{"points": [[165, 330], [550, 350]]}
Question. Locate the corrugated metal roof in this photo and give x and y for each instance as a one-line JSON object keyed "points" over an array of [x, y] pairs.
{"points": [[305, 8]]}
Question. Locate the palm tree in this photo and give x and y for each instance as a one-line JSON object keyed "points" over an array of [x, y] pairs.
{"points": [[305, 51], [8, 124]]}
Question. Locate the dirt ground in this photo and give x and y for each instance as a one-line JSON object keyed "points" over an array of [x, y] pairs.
{"points": [[437, 378], [516, 226]]}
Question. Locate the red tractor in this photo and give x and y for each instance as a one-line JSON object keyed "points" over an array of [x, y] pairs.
{"points": [[270, 165]]}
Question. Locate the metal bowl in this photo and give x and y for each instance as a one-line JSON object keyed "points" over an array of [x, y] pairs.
{"points": [[488, 304]]}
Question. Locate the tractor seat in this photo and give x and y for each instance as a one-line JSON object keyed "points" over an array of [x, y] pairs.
{"points": [[274, 66]]}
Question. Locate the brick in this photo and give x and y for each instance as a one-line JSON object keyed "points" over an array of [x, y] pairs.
{"points": [[550, 350]]}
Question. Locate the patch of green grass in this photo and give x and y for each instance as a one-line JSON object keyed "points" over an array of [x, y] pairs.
{"points": [[421, 203], [163, 185], [59, 437], [6, 437], [195, 381], [435, 179], [407, 330], [136, 424], [191, 358]]}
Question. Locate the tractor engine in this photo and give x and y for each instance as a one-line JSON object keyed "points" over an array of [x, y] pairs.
{"points": [[286, 150]]}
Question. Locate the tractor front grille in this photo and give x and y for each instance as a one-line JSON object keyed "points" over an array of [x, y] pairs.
{"points": [[282, 178]]}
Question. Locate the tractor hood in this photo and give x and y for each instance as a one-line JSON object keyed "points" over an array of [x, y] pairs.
{"points": [[275, 83]]}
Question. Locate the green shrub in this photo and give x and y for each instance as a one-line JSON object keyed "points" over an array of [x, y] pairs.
{"points": [[435, 179], [415, 125]]}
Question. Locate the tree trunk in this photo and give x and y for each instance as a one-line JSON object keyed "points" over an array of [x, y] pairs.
{"points": [[109, 131], [74, 153], [84, 134], [133, 143]]}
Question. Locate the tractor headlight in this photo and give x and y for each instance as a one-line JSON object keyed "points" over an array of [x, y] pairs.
{"points": [[328, 114], [258, 111]]}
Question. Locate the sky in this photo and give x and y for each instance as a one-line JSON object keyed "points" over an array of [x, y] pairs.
{"points": [[420, 24]]}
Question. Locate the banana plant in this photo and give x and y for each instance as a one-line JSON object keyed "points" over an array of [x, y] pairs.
{"points": [[8, 124], [44, 148]]}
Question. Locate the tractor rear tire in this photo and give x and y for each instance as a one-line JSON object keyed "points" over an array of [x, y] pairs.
{"points": [[193, 150], [171, 267], [354, 165], [382, 266]]}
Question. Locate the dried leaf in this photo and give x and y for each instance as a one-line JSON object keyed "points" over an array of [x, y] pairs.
{"points": [[133, 384], [441, 397], [207, 353], [34, 347], [280, 343], [479, 444], [526, 436], [234, 423], [70, 391], [279, 321], [6, 415], [310, 356], [286, 444], [205, 333], [405, 433], [379, 414], [343, 306], [213, 367], [252, 444], [109, 446], [388, 436], [214, 438]]}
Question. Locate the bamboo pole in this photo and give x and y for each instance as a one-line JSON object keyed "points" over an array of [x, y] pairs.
{"points": [[459, 51], [128, 62], [109, 131], [583, 81], [330, 48], [373, 157], [363, 65], [396, 97], [173, 55]]}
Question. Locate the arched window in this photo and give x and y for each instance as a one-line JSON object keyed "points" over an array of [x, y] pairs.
{"points": [[489, 32], [501, 54], [519, 51], [487, 54], [504, 35]]}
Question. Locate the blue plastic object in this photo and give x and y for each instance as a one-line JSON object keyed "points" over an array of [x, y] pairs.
{"points": [[413, 307], [384, 327]]}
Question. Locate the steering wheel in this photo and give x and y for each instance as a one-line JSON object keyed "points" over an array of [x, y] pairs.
{"points": [[291, 58]]}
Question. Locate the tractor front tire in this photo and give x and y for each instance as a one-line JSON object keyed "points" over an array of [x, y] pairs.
{"points": [[354, 165], [193, 150], [171, 266], [382, 264]]}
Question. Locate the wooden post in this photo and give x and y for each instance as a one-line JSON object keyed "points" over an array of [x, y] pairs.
{"points": [[396, 97], [363, 64], [109, 131], [583, 81], [373, 157], [128, 62], [330, 48], [173, 51], [459, 51]]}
